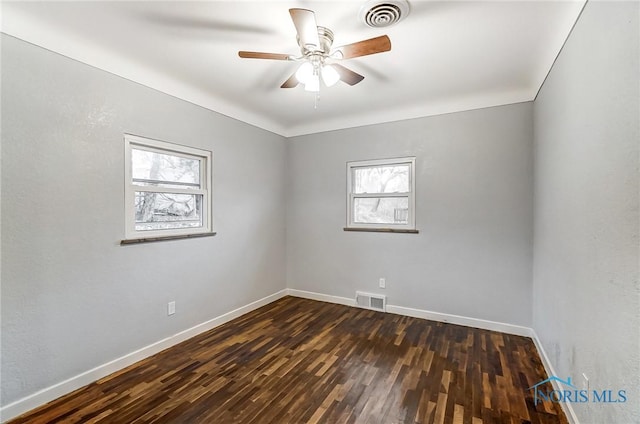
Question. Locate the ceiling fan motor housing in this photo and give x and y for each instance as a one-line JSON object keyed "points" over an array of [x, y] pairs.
{"points": [[325, 35], [383, 13], [326, 39]]}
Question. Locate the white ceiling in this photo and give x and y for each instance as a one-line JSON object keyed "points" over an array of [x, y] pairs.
{"points": [[446, 56]]}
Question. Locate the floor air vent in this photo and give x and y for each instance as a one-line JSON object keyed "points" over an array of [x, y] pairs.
{"points": [[377, 302]]}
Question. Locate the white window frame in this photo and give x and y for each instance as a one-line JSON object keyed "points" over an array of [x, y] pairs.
{"points": [[206, 187], [351, 196]]}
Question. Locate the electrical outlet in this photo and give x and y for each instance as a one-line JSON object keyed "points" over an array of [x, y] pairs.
{"points": [[585, 382], [171, 308], [382, 283]]}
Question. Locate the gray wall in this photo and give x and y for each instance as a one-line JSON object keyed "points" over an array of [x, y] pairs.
{"points": [[586, 291], [72, 298], [474, 187]]}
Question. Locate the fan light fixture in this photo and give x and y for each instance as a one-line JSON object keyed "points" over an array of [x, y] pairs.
{"points": [[304, 72], [309, 74], [312, 84], [329, 75]]}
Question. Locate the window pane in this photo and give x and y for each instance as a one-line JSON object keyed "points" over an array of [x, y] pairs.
{"points": [[164, 170], [381, 210], [381, 179], [160, 211]]}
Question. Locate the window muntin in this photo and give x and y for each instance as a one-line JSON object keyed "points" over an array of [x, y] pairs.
{"points": [[381, 194], [168, 189]]}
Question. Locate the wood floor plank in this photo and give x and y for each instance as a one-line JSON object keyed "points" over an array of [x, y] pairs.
{"points": [[300, 361]]}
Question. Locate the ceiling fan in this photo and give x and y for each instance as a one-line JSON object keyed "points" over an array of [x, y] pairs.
{"points": [[317, 57]]}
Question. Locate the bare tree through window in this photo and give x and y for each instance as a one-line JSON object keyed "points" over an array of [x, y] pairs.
{"points": [[156, 210], [381, 179], [381, 193], [167, 187]]}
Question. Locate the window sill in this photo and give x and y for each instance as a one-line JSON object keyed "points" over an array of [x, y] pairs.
{"points": [[164, 238], [381, 230]]}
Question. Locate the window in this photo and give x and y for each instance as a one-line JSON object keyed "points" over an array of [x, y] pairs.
{"points": [[381, 195], [168, 189]]}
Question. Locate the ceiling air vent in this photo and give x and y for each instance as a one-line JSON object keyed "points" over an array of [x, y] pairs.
{"points": [[383, 13]]}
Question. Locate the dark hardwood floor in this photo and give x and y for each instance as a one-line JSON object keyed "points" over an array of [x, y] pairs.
{"points": [[302, 361]]}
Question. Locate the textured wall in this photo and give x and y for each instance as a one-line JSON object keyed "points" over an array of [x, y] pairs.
{"points": [[72, 297], [586, 291], [474, 185]]}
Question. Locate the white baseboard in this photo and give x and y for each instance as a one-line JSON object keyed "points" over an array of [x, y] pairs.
{"points": [[566, 406], [321, 297], [48, 394], [461, 320], [421, 313]]}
